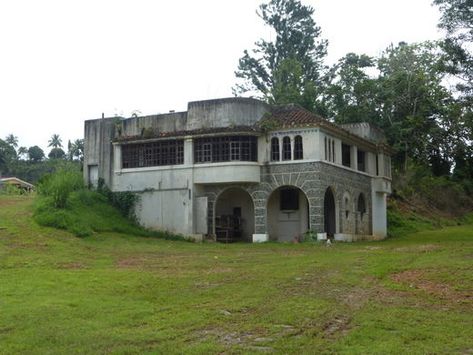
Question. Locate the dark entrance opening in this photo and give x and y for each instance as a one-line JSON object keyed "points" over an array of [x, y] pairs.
{"points": [[234, 216], [329, 213]]}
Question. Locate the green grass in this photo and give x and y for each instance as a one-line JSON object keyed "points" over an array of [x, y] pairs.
{"points": [[86, 212], [117, 293]]}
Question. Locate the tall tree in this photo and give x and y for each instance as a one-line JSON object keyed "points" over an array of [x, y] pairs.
{"points": [[457, 21], [55, 141], [290, 68], [76, 150], [352, 95], [12, 140], [22, 152], [414, 100], [7, 155]]}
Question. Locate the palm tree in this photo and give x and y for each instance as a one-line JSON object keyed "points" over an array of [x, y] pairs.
{"points": [[22, 152], [12, 140], [76, 149], [55, 141]]}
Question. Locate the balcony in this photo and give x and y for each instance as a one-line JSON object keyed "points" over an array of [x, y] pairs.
{"points": [[228, 172]]}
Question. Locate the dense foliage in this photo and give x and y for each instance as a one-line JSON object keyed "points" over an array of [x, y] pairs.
{"points": [[64, 202], [404, 90]]}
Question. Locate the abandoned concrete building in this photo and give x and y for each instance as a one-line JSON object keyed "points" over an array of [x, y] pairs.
{"points": [[237, 169]]}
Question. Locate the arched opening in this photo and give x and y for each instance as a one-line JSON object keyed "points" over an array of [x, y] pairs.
{"points": [[329, 213], [361, 206], [298, 148], [287, 214], [286, 148], [234, 217], [362, 226]]}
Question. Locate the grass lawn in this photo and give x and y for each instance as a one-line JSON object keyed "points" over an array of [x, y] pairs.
{"points": [[113, 293]]}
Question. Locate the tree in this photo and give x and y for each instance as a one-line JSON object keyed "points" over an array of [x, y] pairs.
{"points": [[414, 107], [35, 153], [12, 140], [457, 21], [7, 155], [352, 96], [76, 149], [57, 153], [291, 67], [22, 152], [55, 141]]}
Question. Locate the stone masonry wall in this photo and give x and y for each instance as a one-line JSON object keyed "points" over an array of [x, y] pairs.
{"points": [[313, 179]]}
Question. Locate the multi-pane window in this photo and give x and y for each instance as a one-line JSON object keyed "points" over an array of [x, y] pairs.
{"points": [[329, 149], [298, 150], [140, 155], [286, 148], [225, 148], [275, 149]]}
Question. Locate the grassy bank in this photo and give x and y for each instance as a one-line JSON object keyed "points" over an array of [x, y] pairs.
{"points": [[113, 292]]}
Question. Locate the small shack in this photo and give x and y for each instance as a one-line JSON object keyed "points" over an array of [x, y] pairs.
{"points": [[18, 183]]}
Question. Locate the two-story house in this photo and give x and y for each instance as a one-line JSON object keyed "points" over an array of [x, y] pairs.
{"points": [[237, 169]]}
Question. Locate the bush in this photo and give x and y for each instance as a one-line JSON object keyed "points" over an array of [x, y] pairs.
{"points": [[124, 201], [59, 185]]}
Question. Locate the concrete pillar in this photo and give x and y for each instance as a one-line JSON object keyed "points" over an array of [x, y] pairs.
{"points": [[188, 152], [117, 157], [378, 213], [354, 157]]}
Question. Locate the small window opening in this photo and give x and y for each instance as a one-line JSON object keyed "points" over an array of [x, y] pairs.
{"points": [[298, 150], [289, 200], [286, 148], [275, 149]]}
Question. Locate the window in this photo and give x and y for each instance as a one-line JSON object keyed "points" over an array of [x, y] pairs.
{"points": [[377, 165], [298, 150], [275, 149], [361, 160], [347, 207], [289, 200], [225, 148], [140, 155], [326, 157], [329, 149], [333, 151], [346, 155], [286, 148], [207, 152], [361, 205]]}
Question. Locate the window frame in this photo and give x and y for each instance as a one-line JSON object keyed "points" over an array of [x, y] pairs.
{"points": [[298, 148]]}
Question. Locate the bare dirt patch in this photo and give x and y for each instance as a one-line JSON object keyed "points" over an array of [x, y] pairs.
{"points": [[336, 327], [247, 340], [423, 248], [419, 280]]}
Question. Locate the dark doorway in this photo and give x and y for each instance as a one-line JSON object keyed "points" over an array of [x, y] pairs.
{"points": [[329, 213]]}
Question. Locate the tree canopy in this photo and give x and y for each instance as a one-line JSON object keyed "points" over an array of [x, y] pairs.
{"points": [[290, 68]]}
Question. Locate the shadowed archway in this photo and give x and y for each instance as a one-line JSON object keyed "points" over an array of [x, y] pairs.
{"points": [[329, 213]]}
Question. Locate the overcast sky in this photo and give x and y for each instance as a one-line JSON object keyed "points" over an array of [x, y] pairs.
{"points": [[63, 62]]}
